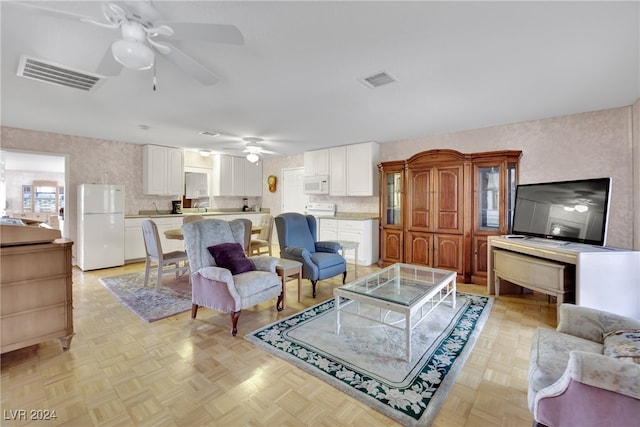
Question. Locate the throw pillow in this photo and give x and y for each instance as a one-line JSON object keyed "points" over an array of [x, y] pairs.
{"points": [[623, 344], [232, 257]]}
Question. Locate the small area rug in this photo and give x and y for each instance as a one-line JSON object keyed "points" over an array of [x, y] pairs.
{"points": [[173, 297], [367, 360]]}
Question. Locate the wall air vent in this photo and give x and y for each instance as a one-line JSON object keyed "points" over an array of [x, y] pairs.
{"points": [[378, 79], [44, 71]]}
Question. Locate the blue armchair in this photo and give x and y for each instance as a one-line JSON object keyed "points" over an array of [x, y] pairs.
{"points": [[297, 236]]}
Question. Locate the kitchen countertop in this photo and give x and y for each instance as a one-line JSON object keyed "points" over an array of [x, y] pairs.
{"points": [[356, 216], [167, 214]]}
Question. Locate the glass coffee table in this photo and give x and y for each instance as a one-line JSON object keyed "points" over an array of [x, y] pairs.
{"points": [[410, 290]]}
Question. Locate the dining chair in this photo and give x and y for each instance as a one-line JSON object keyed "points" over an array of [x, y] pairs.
{"points": [[166, 262], [264, 238]]}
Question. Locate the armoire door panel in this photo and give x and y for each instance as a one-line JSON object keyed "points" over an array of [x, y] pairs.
{"points": [[449, 193], [480, 257], [420, 199], [449, 252], [392, 246], [419, 250]]}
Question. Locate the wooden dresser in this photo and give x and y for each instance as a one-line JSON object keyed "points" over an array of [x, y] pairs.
{"points": [[35, 290]]}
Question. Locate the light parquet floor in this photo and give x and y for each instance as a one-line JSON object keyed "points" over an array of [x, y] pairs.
{"points": [[121, 371]]}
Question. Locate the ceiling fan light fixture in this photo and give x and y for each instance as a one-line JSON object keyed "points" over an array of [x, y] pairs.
{"points": [[253, 157], [132, 54]]}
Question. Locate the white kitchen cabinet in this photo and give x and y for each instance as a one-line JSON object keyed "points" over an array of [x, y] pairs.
{"points": [[328, 230], [196, 183], [316, 162], [134, 249], [167, 223], [162, 170], [253, 183], [362, 169], [133, 240], [365, 232], [236, 176], [338, 171]]}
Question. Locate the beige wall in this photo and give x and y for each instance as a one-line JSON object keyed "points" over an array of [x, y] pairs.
{"points": [[570, 147], [636, 174]]}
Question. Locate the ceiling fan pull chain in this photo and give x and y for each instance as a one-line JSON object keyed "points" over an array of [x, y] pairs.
{"points": [[154, 74]]}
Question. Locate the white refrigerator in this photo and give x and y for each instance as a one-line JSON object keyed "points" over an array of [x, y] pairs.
{"points": [[100, 226]]}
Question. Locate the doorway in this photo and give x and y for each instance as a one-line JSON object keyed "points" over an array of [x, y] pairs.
{"points": [[293, 197], [33, 187]]}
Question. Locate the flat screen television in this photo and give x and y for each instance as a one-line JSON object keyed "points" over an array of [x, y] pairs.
{"points": [[573, 211]]}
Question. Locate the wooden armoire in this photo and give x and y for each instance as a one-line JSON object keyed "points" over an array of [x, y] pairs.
{"points": [[438, 207]]}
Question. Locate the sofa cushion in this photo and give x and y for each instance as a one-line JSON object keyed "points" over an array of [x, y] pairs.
{"points": [[232, 257], [623, 344], [550, 355]]}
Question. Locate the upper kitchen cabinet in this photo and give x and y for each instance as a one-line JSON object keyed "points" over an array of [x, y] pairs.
{"points": [[162, 170], [196, 183], [337, 171], [252, 179], [362, 171], [236, 176], [353, 169], [316, 162]]}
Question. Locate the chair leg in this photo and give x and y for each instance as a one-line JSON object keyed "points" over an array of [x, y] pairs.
{"points": [[279, 303], [235, 315], [159, 281], [194, 310], [344, 277], [313, 284], [146, 272]]}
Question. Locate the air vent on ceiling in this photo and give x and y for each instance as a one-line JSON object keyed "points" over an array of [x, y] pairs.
{"points": [[378, 79], [38, 69], [209, 133]]}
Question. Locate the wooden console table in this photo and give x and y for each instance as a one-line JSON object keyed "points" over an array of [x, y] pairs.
{"points": [[603, 278]]}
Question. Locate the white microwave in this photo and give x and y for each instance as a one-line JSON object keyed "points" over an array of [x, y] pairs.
{"points": [[317, 184]]}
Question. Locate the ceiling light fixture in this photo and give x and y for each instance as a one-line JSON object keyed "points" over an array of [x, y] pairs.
{"points": [[581, 208], [131, 51], [253, 157], [132, 54], [205, 153]]}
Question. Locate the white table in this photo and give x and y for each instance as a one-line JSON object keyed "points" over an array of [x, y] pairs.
{"points": [[401, 288]]}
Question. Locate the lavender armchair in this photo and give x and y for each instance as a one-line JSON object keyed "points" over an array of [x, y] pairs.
{"points": [[571, 381], [216, 287]]}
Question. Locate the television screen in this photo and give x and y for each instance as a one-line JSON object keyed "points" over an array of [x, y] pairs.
{"points": [[575, 211]]}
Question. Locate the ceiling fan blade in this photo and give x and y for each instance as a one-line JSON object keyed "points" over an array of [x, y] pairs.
{"points": [[215, 33], [163, 49], [108, 65], [191, 66], [39, 9]]}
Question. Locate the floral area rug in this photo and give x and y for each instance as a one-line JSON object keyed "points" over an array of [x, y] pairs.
{"points": [[367, 360], [173, 297]]}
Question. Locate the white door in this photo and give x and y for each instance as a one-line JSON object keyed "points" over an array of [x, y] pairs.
{"points": [[293, 197]]}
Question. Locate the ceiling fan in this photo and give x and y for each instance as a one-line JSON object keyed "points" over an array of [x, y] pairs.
{"points": [[253, 149], [144, 32]]}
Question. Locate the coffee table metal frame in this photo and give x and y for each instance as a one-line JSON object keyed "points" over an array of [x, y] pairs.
{"points": [[401, 288]]}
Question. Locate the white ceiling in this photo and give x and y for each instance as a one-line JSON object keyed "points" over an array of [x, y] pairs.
{"points": [[294, 82]]}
